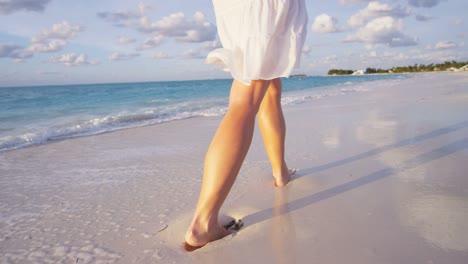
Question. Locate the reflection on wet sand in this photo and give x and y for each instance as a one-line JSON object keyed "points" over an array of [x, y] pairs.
{"points": [[377, 129], [283, 233], [433, 208], [332, 138]]}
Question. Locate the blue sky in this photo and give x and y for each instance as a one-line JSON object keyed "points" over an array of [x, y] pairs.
{"points": [[67, 42]]}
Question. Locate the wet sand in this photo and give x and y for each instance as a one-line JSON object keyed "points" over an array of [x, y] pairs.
{"points": [[382, 179]]}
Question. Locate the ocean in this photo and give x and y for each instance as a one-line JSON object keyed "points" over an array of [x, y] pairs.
{"points": [[42, 114]]}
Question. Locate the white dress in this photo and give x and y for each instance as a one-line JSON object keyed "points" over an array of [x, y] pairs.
{"points": [[261, 39]]}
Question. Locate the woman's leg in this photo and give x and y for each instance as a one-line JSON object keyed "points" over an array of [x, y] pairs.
{"points": [[273, 128], [224, 159]]}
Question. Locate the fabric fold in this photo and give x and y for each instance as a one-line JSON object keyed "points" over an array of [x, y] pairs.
{"points": [[262, 40]]}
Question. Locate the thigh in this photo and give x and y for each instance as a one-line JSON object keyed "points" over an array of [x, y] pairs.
{"points": [[248, 96]]}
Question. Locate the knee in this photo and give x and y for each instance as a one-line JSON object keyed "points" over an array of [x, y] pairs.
{"points": [[247, 99], [273, 96], [276, 87], [243, 108]]}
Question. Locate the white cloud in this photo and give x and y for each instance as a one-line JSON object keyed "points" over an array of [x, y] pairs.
{"points": [[125, 18], [328, 59], [62, 30], [177, 25], [49, 46], [195, 29], [383, 30], [327, 62], [118, 17], [211, 45], [124, 40], [191, 54], [424, 3], [374, 10], [72, 59], [51, 40], [439, 56], [394, 56], [10, 6], [160, 55], [151, 42], [122, 56], [325, 24], [14, 52], [447, 45], [200, 51], [54, 39], [380, 23]]}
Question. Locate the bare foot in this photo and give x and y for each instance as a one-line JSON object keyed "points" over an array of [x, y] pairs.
{"points": [[283, 179], [197, 237]]}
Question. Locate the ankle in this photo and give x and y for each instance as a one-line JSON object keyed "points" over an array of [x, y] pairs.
{"points": [[280, 171], [203, 223]]}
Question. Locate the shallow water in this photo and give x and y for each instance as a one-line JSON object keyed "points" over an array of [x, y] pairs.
{"points": [[34, 115]]}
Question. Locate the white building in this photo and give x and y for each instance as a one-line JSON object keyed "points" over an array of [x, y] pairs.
{"points": [[359, 72]]}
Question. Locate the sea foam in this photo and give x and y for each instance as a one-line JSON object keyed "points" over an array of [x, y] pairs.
{"points": [[36, 115]]}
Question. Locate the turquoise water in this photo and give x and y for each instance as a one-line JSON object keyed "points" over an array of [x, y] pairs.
{"points": [[36, 115]]}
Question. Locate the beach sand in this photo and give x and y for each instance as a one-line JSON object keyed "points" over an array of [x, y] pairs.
{"points": [[382, 179]]}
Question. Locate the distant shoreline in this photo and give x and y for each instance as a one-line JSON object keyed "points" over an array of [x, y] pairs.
{"points": [[448, 66]]}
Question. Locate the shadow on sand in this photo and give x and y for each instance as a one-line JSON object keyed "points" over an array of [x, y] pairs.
{"points": [[435, 154]]}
